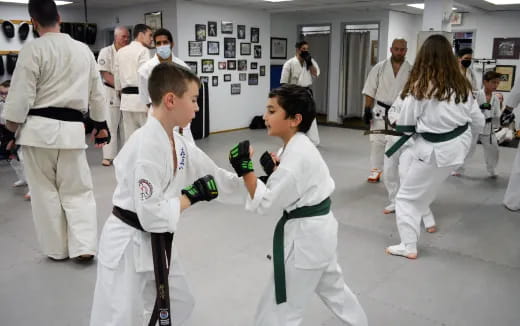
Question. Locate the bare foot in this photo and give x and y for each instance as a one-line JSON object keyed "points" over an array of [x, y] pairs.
{"points": [[431, 229]]}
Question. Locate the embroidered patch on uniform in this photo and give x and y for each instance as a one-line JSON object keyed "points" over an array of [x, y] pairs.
{"points": [[101, 61], [182, 154], [163, 314], [146, 189]]}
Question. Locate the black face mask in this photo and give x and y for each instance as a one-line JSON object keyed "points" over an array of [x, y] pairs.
{"points": [[304, 54], [465, 63]]}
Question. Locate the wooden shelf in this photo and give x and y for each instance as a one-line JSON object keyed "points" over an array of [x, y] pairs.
{"points": [[17, 21], [8, 52]]}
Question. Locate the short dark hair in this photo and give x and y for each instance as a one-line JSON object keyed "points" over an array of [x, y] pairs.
{"points": [[301, 43], [296, 100], [490, 75], [169, 77], [44, 12], [6, 83], [140, 28], [462, 52], [164, 32]]}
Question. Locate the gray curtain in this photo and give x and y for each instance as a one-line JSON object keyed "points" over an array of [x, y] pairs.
{"points": [[319, 48], [356, 48]]}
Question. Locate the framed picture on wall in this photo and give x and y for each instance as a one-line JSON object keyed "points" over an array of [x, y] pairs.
{"points": [[222, 65], [200, 32], [232, 65], [245, 48], [230, 46], [506, 48], [235, 89], [241, 32], [456, 18], [254, 65], [242, 65], [262, 70], [507, 78], [373, 52], [252, 79], [193, 66], [214, 81], [212, 29], [227, 77], [278, 48], [258, 51], [208, 65], [213, 48], [255, 35], [226, 27], [242, 76], [153, 19], [194, 48]]}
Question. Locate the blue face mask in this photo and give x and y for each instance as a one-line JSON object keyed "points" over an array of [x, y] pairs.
{"points": [[164, 51]]}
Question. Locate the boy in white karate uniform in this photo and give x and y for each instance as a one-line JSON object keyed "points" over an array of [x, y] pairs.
{"points": [[154, 170], [299, 187], [439, 111]]}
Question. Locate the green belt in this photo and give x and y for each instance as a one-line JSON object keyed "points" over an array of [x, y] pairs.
{"points": [[431, 137], [322, 208]]}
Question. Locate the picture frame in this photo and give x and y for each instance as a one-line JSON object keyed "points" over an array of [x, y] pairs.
{"points": [[278, 48], [226, 27], [213, 47], [222, 65], [214, 81], [193, 66], [252, 79], [507, 79], [245, 48], [241, 32], [207, 66], [230, 47], [262, 70], [254, 65], [257, 50], [235, 89], [242, 76], [232, 65], [456, 18], [255, 35], [154, 20], [212, 29], [242, 65], [227, 77], [200, 32], [374, 52], [195, 48], [506, 48], [204, 79]]}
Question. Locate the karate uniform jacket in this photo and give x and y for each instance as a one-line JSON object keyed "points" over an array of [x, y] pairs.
{"points": [[54, 71], [301, 179], [493, 114], [293, 72], [107, 62], [148, 185]]}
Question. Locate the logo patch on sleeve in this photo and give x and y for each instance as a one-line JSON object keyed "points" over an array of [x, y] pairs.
{"points": [[102, 62], [146, 189]]}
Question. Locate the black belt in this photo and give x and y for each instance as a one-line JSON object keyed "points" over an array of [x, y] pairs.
{"points": [[108, 85], [161, 252], [130, 90], [63, 114], [386, 106]]}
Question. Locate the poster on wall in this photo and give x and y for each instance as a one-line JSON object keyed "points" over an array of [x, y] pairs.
{"points": [[235, 89], [506, 48], [507, 78], [252, 79], [258, 51], [226, 27], [212, 29], [245, 48], [255, 35], [154, 20], [200, 32], [278, 48], [208, 66], [213, 48], [229, 47], [241, 32], [194, 48], [193, 66]]}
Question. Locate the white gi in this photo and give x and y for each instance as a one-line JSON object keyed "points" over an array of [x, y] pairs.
{"points": [[148, 184], [487, 136], [17, 165], [293, 72], [512, 195], [309, 243], [383, 86], [431, 162], [472, 78], [57, 71], [144, 73], [128, 61], [106, 62]]}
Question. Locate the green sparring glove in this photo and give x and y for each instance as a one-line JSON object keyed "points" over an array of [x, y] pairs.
{"points": [[485, 106], [239, 158], [203, 188]]}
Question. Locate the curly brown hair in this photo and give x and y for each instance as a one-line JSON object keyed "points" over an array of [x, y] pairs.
{"points": [[436, 73]]}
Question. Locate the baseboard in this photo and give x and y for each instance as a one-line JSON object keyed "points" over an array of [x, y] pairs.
{"points": [[227, 130]]}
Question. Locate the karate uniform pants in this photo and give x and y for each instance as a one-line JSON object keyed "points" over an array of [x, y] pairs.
{"points": [[512, 196], [133, 121], [326, 282], [62, 201], [123, 296], [418, 189], [17, 166], [490, 147], [377, 145], [115, 126], [313, 133]]}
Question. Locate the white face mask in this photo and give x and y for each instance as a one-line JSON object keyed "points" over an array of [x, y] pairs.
{"points": [[164, 51]]}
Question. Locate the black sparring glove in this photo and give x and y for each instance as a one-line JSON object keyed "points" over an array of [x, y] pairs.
{"points": [[485, 106], [91, 124], [239, 158], [203, 188], [5, 137], [367, 115], [506, 118], [267, 162]]}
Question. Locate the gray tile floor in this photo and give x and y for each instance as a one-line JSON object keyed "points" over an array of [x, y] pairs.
{"points": [[467, 274]]}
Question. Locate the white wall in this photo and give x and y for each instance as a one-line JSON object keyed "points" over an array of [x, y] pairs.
{"points": [[407, 26], [286, 24], [227, 111]]}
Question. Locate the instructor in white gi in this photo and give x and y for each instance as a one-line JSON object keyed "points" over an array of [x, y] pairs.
{"points": [[56, 79], [383, 84], [512, 196]]}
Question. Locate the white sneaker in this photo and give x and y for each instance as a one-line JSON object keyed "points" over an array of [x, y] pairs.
{"points": [[401, 250], [374, 176], [19, 183]]}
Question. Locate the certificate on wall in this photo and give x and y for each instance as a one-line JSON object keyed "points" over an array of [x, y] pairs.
{"points": [[507, 78], [154, 20]]}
